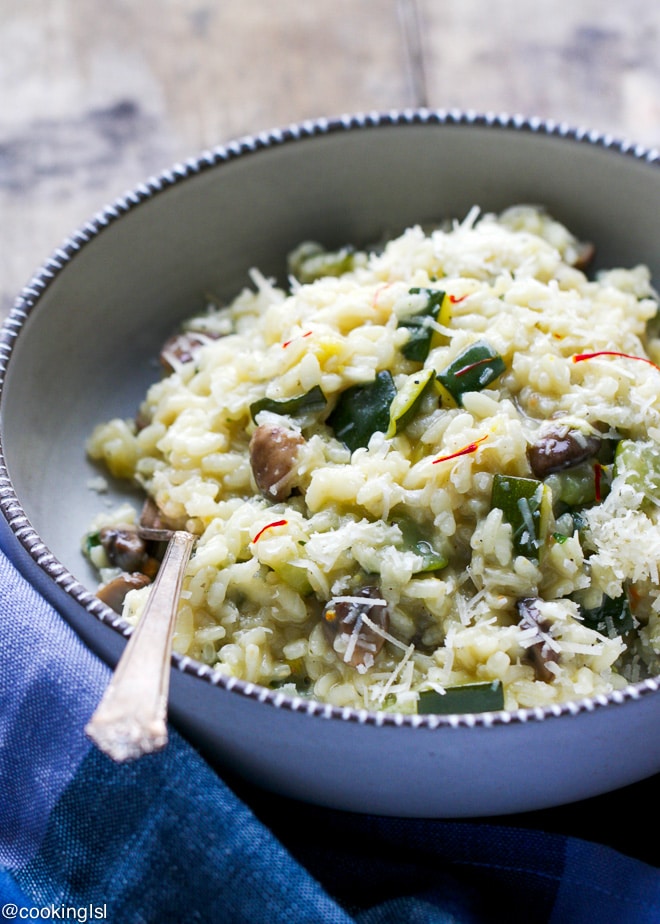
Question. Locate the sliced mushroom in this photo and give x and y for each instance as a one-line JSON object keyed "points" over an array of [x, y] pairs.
{"points": [[539, 653], [273, 455], [183, 348], [124, 547], [561, 447], [154, 524], [346, 627], [114, 592]]}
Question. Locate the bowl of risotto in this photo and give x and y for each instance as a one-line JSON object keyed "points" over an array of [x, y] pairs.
{"points": [[400, 376]]}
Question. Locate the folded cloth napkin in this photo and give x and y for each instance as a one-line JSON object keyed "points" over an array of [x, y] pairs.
{"points": [[166, 839]]}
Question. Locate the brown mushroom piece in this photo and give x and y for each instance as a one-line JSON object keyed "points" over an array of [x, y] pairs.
{"points": [[346, 627], [273, 455], [124, 547], [114, 592], [183, 348], [153, 520], [539, 653], [561, 447]]}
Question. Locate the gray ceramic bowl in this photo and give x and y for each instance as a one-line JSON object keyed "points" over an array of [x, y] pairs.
{"points": [[78, 348]]}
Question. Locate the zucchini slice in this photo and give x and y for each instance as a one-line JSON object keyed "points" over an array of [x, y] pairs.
{"points": [[407, 402], [420, 325], [474, 369], [311, 402], [526, 505], [363, 410], [468, 697]]}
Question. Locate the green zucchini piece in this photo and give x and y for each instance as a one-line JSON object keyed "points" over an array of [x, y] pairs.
{"points": [[468, 697], [295, 575], [418, 345], [525, 503], [298, 677], [311, 402], [363, 410], [310, 261], [414, 541], [406, 404], [639, 463], [581, 485], [612, 618], [474, 369]]}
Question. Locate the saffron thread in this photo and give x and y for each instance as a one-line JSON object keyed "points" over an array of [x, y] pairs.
{"points": [[302, 336], [466, 450], [269, 526], [579, 357]]}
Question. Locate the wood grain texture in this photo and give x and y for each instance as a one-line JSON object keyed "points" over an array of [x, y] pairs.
{"points": [[96, 95], [591, 63]]}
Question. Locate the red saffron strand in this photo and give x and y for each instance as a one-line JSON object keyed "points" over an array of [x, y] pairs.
{"points": [[269, 526], [470, 366], [302, 336], [455, 299], [598, 472], [466, 450], [381, 288], [578, 357]]}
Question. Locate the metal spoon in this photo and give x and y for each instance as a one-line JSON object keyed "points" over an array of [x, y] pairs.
{"points": [[131, 719]]}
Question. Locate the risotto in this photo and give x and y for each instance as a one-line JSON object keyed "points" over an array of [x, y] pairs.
{"points": [[424, 477]]}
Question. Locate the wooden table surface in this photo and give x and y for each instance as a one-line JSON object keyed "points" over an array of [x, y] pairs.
{"points": [[96, 95]]}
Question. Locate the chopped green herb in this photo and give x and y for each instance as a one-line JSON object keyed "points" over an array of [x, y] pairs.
{"points": [[363, 410], [92, 540], [420, 324], [525, 503], [469, 697], [474, 369], [312, 401]]}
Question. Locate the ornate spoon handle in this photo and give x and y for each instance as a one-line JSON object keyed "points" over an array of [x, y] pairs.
{"points": [[131, 718]]}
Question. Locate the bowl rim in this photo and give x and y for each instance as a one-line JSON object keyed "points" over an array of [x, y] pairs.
{"points": [[214, 158]]}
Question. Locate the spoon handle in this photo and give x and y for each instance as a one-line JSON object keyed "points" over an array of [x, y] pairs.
{"points": [[131, 718]]}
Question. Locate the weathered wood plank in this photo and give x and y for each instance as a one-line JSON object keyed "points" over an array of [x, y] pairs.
{"points": [[95, 95], [586, 63]]}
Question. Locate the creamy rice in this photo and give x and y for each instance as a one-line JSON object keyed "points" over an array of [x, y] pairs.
{"points": [[503, 513]]}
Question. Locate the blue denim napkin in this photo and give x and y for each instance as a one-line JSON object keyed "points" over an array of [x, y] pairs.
{"points": [[166, 839]]}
